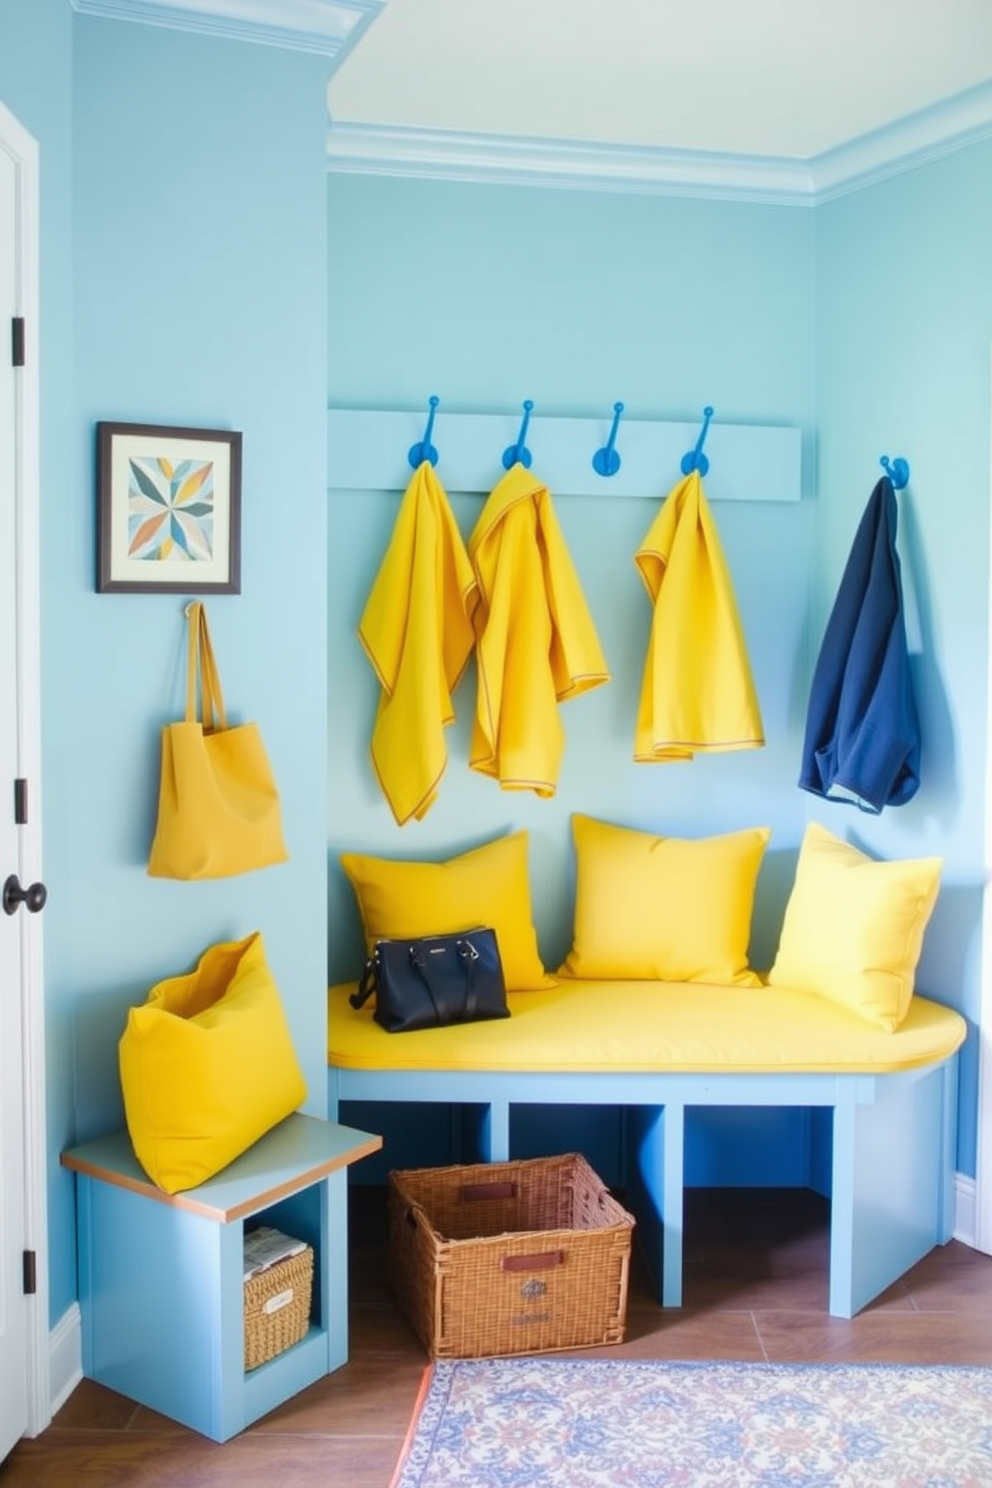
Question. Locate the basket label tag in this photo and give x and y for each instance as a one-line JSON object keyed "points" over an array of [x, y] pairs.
{"points": [[279, 1301], [543, 1261]]}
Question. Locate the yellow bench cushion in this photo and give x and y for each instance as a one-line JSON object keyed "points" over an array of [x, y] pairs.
{"points": [[614, 1026]]}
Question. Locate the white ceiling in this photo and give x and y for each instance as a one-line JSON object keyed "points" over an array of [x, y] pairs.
{"points": [[791, 79]]}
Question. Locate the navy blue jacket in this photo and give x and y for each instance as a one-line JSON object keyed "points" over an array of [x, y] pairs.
{"points": [[862, 741]]}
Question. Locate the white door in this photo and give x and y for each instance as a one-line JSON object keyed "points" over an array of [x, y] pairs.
{"points": [[23, 1325], [13, 1314]]}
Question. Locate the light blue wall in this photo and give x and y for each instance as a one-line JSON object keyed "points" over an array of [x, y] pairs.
{"points": [[191, 289], [904, 350], [487, 296], [187, 249], [867, 322]]}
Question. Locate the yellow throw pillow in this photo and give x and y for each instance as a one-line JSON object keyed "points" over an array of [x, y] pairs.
{"points": [[853, 927], [208, 1066], [488, 886], [663, 908]]}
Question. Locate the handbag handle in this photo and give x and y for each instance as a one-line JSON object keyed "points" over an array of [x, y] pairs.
{"points": [[199, 650], [366, 985], [468, 956]]}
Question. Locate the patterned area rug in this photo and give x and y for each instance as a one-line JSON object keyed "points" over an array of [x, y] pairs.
{"points": [[629, 1423]]}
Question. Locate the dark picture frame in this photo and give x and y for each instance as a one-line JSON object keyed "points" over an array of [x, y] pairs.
{"points": [[168, 510]]}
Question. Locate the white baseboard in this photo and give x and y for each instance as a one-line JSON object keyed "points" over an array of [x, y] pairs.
{"points": [[65, 1351], [964, 1210]]}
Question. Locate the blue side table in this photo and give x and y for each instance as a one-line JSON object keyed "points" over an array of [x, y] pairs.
{"points": [[161, 1276]]}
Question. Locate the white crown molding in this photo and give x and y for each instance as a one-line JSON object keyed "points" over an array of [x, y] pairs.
{"points": [[328, 27], [385, 150], [904, 145], [447, 155]]}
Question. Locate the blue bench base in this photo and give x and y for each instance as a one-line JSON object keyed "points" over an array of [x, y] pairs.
{"points": [[892, 1151]]}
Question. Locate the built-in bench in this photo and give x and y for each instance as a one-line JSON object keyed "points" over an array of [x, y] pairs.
{"points": [[658, 1049]]}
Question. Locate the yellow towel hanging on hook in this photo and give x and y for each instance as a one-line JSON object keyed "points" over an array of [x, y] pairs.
{"points": [[697, 692], [536, 643], [417, 632]]}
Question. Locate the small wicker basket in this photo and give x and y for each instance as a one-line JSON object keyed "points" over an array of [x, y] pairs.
{"points": [[277, 1307], [509, 1258]]}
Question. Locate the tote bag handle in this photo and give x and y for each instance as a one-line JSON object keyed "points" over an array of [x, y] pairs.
{"points": [[200, 656]]}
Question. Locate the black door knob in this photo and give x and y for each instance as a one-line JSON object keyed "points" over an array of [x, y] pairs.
{"points": [[33, 897]]}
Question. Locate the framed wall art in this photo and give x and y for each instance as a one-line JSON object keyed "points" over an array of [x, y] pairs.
{"points": [[169, 510]]}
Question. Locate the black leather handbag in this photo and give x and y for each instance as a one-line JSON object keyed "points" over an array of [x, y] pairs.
{"points": [[434, 980]]}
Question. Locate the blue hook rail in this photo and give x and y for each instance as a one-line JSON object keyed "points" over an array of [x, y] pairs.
{"points": [[606, 461], [695, 459], [367, 451], [519, 453], [897, 470], [423, 449]]}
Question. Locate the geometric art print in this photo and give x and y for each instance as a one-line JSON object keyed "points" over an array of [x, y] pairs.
{"points": [[170, 510]]}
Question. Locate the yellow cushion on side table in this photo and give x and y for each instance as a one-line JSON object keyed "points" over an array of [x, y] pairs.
{"points": [[208, 1066], [663, 908], [853, 927], [488, 886]]}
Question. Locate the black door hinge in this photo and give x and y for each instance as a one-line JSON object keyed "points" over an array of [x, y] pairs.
{"points": [[30, 1273], [17, 341], [20, 803]]}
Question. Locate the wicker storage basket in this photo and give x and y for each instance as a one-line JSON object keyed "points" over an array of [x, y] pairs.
{"points": [[509, 1257], [277, 1307]]}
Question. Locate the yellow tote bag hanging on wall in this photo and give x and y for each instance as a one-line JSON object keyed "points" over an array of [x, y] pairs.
{"points": [[218, 804]]}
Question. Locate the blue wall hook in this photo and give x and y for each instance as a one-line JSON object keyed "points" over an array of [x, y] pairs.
{"points": [[695, 459], [423, 449], [519, 453], [897, 470], [606, 461]]}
